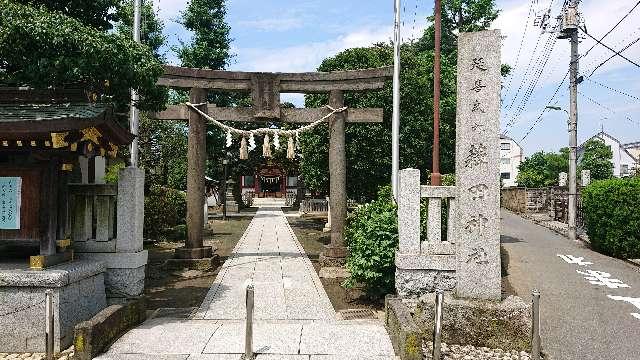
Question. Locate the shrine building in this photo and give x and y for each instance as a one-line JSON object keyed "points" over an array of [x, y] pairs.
{"points": [[62, 228]]}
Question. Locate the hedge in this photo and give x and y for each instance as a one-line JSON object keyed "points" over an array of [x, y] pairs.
{"points": [[611, 211]]}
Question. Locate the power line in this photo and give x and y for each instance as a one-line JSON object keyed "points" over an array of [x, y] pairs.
{"points": [[619, 43], [524, 77], [537, 121], [608, 108], [613, 89], [524, 33], [544, 59], [616, 52], [613, 28]]}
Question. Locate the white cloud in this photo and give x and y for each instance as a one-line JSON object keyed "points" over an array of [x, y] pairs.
{"points": [[280, 24], [307, 57]]}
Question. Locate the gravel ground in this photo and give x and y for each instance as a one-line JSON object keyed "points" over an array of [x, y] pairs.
{"points": [[65, 355], [459, 352]]}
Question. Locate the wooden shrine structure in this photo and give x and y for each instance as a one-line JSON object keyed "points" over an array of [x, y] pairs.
{"points": [[43, 133], [265, 89]]}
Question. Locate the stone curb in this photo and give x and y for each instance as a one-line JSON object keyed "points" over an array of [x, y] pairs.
{"points": [[95, 335]]}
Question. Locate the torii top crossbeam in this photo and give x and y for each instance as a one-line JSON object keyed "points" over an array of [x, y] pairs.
{"points": [[265, 91]]}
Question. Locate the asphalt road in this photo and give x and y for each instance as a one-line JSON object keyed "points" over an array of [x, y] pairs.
{"points": [[578, 319]]}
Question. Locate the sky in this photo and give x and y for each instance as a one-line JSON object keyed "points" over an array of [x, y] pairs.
{"points": [[296, 35]]}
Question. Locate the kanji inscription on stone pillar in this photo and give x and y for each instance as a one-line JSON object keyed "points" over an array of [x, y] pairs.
{"points": [[477, 166]]}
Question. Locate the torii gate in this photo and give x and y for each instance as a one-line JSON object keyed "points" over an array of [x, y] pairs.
{"points": [[265, 91]]}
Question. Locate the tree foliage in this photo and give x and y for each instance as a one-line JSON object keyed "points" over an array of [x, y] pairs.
{"points": [[597, 158], [210, 46], [99, 14], [369, 145], [42, 48], [541, 169], [151, 26]]}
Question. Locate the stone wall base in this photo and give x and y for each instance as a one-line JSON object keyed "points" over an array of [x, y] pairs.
{"points": [[494, 324], [413, 283], [125, 274], [505, 325], [78, 294]]}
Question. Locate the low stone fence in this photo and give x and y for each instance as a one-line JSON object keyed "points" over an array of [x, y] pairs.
{"points": [[551, 201], [309, 206]]}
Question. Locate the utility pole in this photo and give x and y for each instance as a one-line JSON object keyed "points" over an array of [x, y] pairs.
{"points": [[570, 22], [436, 178], [395, 121], [134, 112]]}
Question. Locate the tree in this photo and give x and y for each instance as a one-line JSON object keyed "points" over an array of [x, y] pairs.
{"points": [[99, 14], [210, 46], [541, 169], [42, 48], [369, 146], [597, 157], [151, 27]]}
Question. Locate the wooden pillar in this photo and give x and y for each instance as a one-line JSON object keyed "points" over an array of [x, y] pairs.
{"points": [[196, 157], [335, 252], [49, 208]]}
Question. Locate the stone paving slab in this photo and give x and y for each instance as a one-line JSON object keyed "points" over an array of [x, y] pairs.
{"points": [[166, 336], [341, 339], [140, 356], [268, 338]]}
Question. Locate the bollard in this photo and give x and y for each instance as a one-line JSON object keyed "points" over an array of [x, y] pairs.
{"points": [[248, 337], [535, 329], [437, 335], [48, 310]]}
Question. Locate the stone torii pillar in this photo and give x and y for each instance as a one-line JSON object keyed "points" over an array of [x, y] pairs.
{"points": [[196, 161], [265, 91]]}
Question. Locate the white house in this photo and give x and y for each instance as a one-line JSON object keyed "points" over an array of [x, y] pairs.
{"points": [[624, 162], [633, 149], [510, 159]]}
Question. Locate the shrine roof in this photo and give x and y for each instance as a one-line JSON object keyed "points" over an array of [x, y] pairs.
{"points": [[30, 114]]}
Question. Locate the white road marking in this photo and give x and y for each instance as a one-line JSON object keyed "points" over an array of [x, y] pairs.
{"points": [[575, 260], [633, 301], [602, 278]]}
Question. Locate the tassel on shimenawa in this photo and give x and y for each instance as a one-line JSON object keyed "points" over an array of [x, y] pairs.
{"points": [[266, 147], [291, 153], [244, 153]]}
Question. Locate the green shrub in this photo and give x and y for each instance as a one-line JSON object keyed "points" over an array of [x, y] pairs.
{"points": [[113, 173], [372, 237], [164, 208], [612, 216]]}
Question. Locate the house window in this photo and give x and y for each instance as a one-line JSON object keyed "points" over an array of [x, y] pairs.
{"points": [[505, 146], [505, 176], [248, 181], [292, 181], [505, 161]]}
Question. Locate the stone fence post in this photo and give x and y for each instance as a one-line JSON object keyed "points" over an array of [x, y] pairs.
{"points": [[409, 211], [124, 256]]}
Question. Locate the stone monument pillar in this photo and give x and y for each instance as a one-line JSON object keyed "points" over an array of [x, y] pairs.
{"points": [[562, 179], [585, 176], [230, 200], [477, 230]]}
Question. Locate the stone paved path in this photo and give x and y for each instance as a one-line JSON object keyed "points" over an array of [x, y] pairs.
{"points": [[294, 317]]}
